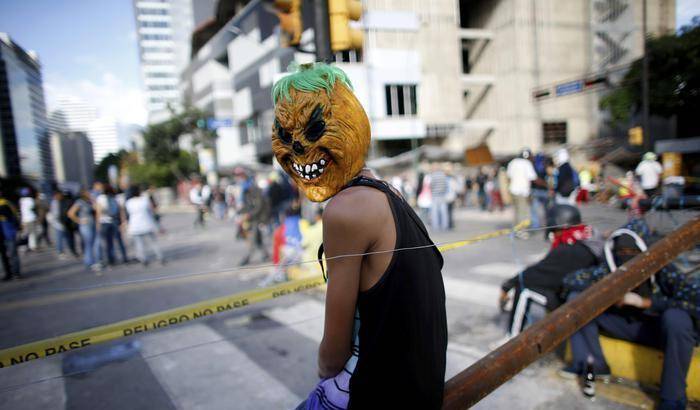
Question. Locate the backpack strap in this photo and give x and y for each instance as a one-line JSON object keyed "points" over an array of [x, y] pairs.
{"points": [[320, 262]]}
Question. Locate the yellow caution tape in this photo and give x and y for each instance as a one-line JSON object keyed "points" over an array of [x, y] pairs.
{"points": [[147, 323], [77, 340]]}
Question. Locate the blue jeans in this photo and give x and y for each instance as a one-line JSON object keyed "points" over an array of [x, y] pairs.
{"points": [[10, 257], [673, 332], [439, 217], [87, 233], [120, 243], [63, 238], [106, 242], [538, 208]]}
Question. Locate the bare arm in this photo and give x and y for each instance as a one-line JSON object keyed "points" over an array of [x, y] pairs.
{"points": [[344, 232], [73, 213]]}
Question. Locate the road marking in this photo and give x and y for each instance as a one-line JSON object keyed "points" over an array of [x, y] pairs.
{"points": [[470, 291], [306, 318], [208, 376], [503, 270], [49, 394]]}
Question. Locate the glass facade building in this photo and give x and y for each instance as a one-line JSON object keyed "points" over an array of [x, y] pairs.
{"points": [[26, 149]]}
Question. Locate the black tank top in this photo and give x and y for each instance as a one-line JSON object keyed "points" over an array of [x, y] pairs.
{"points": [[403, 327]]}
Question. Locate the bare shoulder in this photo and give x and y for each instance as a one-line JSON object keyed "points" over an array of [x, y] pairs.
{"points": [[359, 206]]}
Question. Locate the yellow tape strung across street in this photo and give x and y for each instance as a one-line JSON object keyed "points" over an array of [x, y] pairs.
{"points": [[77, 340]]}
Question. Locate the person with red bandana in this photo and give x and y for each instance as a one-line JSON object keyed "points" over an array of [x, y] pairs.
{"points": [[574, 246]]}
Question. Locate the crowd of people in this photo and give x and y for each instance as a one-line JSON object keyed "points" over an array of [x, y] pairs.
{"points": [[92, 226]]}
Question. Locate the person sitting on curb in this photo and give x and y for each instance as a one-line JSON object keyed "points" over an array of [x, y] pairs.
{"points": [[574, 246], [663, 312]]}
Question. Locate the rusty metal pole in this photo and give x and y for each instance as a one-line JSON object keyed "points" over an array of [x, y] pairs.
{"points": [[471, 385]]}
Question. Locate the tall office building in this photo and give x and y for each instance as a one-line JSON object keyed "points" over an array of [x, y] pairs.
{"points": [[72, 158], [533, 71], [74, 115], [25, 148], [164, 28]]}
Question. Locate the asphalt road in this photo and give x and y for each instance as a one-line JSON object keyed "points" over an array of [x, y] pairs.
{"points": [[259, 357]]}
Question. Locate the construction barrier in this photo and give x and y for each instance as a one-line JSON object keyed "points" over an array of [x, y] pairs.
{"points": [[77, 340]]}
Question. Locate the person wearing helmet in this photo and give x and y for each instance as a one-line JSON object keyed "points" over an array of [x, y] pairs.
{"points": [[663, 312], [521, 174], [649, 172], [574, 246], [567, 182]]}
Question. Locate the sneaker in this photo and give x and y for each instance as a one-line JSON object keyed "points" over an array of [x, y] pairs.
{"points": [[572, 372], [97, 267]]}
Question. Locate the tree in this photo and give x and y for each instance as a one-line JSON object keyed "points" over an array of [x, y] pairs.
{"points": [[163, 161], [102, 169], [674, 82]]}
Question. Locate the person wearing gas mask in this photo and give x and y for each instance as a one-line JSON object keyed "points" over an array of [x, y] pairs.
{"points": [[663, 312]]}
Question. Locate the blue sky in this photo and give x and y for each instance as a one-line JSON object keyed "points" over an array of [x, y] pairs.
{"points": [[88, 49]]}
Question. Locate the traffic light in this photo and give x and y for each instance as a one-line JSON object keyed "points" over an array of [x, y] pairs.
{"points": [[344, 37], [289, 13], [636, 136]]}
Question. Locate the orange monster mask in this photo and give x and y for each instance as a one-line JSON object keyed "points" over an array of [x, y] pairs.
{"points": [[321, 133]]}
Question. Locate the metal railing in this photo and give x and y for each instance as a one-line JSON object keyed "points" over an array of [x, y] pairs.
{"points": [[474, 383]]}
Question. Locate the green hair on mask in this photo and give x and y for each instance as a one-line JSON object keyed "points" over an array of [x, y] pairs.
{"points": [[309, 78]]}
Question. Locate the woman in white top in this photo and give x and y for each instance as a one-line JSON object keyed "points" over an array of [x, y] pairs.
{"points": [[142, 225]]}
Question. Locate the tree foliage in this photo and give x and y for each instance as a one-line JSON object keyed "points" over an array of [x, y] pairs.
{"points": [[164, 162], [674, 82], [101, 170]]}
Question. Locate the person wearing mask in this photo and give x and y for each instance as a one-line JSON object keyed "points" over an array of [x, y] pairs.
{"points": [[108, 216], [567, 183], [521, 174], [82, 212], [385, 334], [142, 226], [663, 312], [9, 228], [28, 217], [649, 172], [573, 246]]}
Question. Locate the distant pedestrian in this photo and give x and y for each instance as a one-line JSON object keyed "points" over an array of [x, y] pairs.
{"points": [[29, 219], [567, 182], [83, 213], [42, 210], [108, 217], [199, 198], [59, 221], [254, 213], [424, 199], [9, 228], [649, 172], [539, 192], [483, 198], [521, 174], [438, 193], [142, 226]]}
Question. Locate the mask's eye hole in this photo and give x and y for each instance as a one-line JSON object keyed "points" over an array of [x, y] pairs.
{"points": [[284, 135], [316, 127]]}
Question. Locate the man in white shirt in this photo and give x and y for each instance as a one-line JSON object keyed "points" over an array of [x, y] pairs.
{"points": [[521, 173], [27, 210], [649, 172]]}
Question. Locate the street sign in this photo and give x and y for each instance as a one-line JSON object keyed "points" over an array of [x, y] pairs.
{"points": [[213, 123], [570, 87]]}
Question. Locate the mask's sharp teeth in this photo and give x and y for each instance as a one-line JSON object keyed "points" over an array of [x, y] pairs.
{"points": [[308, 168], [307, 177], [314, 167], [322, 162], [320, 170]]}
